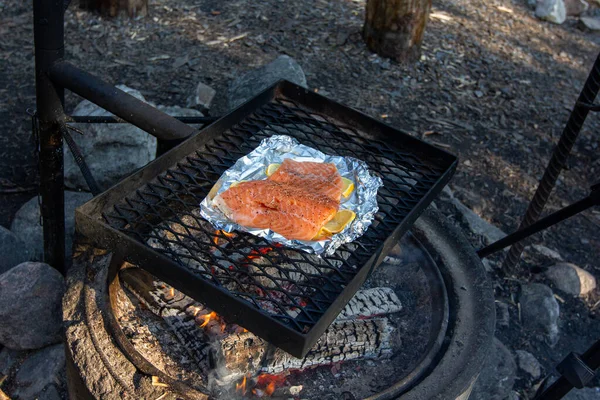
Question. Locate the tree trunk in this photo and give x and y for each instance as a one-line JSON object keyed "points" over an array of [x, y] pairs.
{"points": [[134, 8], [394, 28]]}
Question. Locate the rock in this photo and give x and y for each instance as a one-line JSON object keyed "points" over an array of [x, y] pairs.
{"points": [[202, 97], [498, 375], [14, 251], [571, 279], [253, 82], [551, 11], [476, 224], [26, 225], [576, 7], [180, 111], [590, 23], [9, 359], [529, 364], [30, 306], [50, 393], [502, 314], [546, 252], [540, 311], [583, 394], [40, 371], [111, 151]]}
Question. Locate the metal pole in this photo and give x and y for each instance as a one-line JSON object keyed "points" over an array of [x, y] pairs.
{"points": [[115, 120], [48, 31], [558, 160], [542, 224], [123, 105]]}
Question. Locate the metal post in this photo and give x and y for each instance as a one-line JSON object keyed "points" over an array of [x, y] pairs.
{"points": [[558, 160], [49, 47]]}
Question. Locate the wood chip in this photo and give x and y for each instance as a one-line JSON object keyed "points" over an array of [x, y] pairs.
{"points": [[157, 382]]}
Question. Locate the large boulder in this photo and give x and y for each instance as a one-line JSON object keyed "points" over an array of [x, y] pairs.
{"points": [[40, 372], [9, 358], [540, 311], [571, 279], [498, 375], [26, 224], [551, 10], [13, 251], [111, 151], [30, 306], [253, 82]]}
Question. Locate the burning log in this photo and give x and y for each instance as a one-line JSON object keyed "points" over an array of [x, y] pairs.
{"points": [[370, 302]]}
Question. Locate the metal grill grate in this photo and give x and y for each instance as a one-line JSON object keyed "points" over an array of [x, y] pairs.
{"points": [[296, 291]]}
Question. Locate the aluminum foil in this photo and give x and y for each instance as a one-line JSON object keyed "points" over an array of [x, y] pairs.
{"points": [[273, 150]]}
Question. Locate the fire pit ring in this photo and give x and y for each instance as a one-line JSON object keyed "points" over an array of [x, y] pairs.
{"points": [[104, 365]]}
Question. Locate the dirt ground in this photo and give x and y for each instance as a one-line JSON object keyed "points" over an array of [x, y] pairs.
{"points": [[494, 85]]}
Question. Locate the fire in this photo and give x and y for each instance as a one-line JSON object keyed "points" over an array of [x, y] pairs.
{"points": [[269, 382], [172, 292], [219, 233], [207, 317], [241, 387], [259, 253], [196, 310]]}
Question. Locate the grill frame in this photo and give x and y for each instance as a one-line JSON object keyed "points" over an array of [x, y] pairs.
{"points": [[91, 223]]}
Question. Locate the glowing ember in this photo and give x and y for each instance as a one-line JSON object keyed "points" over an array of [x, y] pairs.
{"points": [[268, 383], [219, 233], [172, 292], [207, 318], [196, 310], [241, 387]]}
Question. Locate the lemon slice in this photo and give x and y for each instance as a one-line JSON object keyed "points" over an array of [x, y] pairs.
{"points": [[272, 168], [348, 187], [322, 235], [234, 184], [339, 222], [214, 190]]}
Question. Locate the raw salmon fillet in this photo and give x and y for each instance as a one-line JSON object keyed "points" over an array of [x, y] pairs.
{"points": [[315, 177], [294, 212]]}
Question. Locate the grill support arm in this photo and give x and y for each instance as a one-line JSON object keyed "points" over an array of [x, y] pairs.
{"points": [[164, 127]]}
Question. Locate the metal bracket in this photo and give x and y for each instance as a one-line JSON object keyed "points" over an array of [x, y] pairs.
{"points": [[575, 370]]}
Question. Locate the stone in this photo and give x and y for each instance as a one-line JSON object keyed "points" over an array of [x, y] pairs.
{"points": [[498, 375], [9, 359], [540, 311], [551, 10], [202, 97], [13, 250], [547, 252], [30, 306], [26, 224], [529, 364], [111, 151], [476, 224], [583, 394], [571, 279], [502, 314], [576, 7], [39, 371], [255, 81], [50, 393], [590, 23]]}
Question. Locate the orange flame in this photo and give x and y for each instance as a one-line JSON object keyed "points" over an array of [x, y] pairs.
{"points": [[220, 232], [241, 387], [207, 317], [269, 382]]}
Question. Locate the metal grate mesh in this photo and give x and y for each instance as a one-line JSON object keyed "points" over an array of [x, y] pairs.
{"points": [[291, 286]]}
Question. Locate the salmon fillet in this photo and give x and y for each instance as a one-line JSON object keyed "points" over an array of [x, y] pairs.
{"points": [[315, 177], [292, 211]]}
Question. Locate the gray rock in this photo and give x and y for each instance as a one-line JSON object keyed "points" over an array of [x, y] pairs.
{"points": [[529, 364], [498, 375], [540, 311], [590, 23], [13, 250], [9, 359], [583, 394], [571, 279], [476, 224], [50, 393], [202, 97], [551, 10], [30, 306], [253, 82], [26, 224], [111, 151], [40, 370], [502, 314], [547, 252], [576, 7]]}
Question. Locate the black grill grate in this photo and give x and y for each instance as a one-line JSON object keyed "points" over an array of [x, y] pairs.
{"points": [[294, 289]]}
